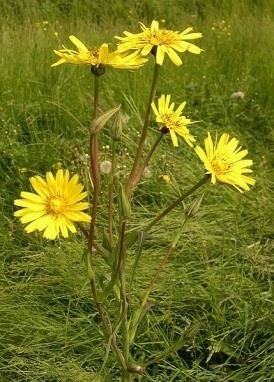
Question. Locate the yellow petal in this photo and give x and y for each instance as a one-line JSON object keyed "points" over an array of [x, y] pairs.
{"points": [[174, 138], [103, 53], [160, 55], [194, 49], [80, 46], [174, 57]]}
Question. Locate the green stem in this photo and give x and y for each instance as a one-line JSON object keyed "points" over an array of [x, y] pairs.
{"points": [[132, 237], [147, 159], [110, 192], [108, 328], [132, 177], [123, 296], [163, 264], [94, 165], [96, 97], [137, 259], [176, 203]]}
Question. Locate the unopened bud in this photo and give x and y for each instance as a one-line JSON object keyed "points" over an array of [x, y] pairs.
{"points": [[117, 127], [123, 203], [192, 210], [137, 369], [100, 121]]}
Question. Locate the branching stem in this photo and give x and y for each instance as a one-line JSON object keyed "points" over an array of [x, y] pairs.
{"points": [[133, 179]]}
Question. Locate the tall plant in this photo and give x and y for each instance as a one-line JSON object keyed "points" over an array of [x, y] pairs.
{"points": [[56, 206]]}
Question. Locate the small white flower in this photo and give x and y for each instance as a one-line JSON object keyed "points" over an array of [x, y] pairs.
{"points": [[105, 167], [238, 95]]}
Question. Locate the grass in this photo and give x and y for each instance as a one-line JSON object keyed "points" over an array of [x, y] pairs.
{"points": [[221, 275]]}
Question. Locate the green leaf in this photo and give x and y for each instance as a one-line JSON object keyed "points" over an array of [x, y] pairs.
{"points": [[138, 314], [185, 337]]}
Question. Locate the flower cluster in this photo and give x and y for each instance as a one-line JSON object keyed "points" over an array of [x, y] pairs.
{"points": [[154, 39], [56, 204], [223, 160]]}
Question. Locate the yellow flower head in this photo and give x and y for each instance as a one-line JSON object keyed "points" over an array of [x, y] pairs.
{"points": [[160, 42], [172, 121], [100, 57], [224, 161], [55, 205]]}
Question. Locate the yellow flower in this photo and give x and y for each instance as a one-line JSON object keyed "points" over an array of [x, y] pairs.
{"points": [[172, 121], [160, 42], [224, 161], [98, 57], [165, 178], [55, 205]]}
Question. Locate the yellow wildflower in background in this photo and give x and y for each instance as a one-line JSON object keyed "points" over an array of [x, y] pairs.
{"points": [[172, 121], [98, 57], [165, 178], [224, 161], [160, 42], [55, 206]]}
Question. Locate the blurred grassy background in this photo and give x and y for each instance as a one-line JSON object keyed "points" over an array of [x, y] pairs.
{"points": [[222, 272]]}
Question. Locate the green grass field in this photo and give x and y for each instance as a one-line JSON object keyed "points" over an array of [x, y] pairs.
{"points": [[221, 275]]}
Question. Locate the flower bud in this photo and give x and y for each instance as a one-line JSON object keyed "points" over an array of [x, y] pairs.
{"points": [[192, 210], [100, 121], [137, 369], [123, 203], [117, 127]]}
